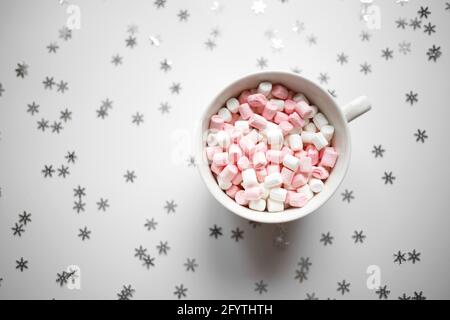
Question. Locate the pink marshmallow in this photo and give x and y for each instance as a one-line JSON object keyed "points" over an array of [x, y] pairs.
{"points": [[286, 150], [247, 145], [257, 101], [237, 180], [289, 106], [270, 110], [254, 193], [216, 169], [296, 120], [245, 111], [320, 173], [280, 92], [297, 200], [235, 153], [228, 173], [231, 192], [329, 158], [311, 151], [273, 168], [216, 123], [261, 147], [280, 117], [240, 198], [210, 151], [259, 160], [285, 127], [299, 181], [305, 165], [243, 96]]}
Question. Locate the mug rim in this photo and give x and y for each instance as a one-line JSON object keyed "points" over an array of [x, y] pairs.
{"points": [[247, 213]]}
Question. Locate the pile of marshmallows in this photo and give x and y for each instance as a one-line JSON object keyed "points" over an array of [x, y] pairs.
{"points": [[269, 148]]}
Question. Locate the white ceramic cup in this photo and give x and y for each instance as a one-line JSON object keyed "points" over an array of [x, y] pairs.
{"points": [[338, 117]]}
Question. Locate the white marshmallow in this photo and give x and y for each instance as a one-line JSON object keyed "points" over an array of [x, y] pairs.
{"points": [[278, 103], [275, 138], [223, 139], [225, 114], [328, 132], [310, 127], [265, 88], [233, 105], [316, 185], [320, 120], [320, 141], [295, 142], [308, 137], [275, 206], [278, 194], [306, 165], [253, 136], [266, 191], [242, 125], [258, 205], [249, 178], [300, 97], [306, 191], [291, 162], [273, 180], [211, 140], [223, 183]]}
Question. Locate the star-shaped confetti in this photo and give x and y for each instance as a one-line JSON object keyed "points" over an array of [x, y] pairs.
{"points": [[65, 115], [163, 247], [22, 70], [434, 53], [56, 127], [347, 195], [183, 15], [343, 287], [63, 171], [52, 47], [126, 293], [215, 232], [62, 86], [342, 58], [102, 204], [18, 229], [366, 68], [148, 261], [137, 118], [191, 265], [180, 291], [151, 224], [429, 28], [358, 236], [21, 264], [383, 292], [401, 23], [421, 135], [130, 176], [170, 206], [388, 178], [412, 98], [25, 218], [261, 287], [33, 108], [387, 54], [414, 256], [326, 239], [404, 47], [79, 206], [65, 33], [165, 65], [237, 234], [175, 88], [48, 171], [140, 252], [378, 151], [164, 107], [424, 12], [116, 60], [84, 234], [159, 3], [415, 24], [131, 42]]}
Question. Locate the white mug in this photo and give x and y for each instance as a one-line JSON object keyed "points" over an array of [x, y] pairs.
{"points": [[338, 117]]}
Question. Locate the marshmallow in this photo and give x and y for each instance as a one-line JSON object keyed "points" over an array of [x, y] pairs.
{"points": [[273, 168], [231, 192], [242, 126], [244, 96], [216, 123], [280, 92], [329, 158], [247, 145], [258, 205], [245, 111], [233, 105], [254, 193], [224, 184], [240, 198], [266, 191], [300, 97], [320, 141], [306, 191], [295, 142], [228, 173], [273, 180], [285, 127], [308, 137], [243, 163], [274, 206], [259, 160], [235, 153], [249, 178], [315, 110], [225, 114], [289, 106], [274, 156], [265, 88], [257, 121], [291, 162], [257, 101], [299, 181], [278, 194], [316, 185], [280, 117], [313, 153], [223, 139], [320, 173], [221, 159], [278, 103], [275, 138], [320, 120], [211, 140], [237, 180], [287, 175], [304, 109], [296, 120], [328, 132], [270, 111], [305, 165], [310, 127], [297, 200]]}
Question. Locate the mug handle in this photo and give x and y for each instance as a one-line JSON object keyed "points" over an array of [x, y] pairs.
{"points": [[356, 108]]}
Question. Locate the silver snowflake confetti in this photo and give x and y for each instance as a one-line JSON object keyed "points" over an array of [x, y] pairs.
{"points": [[22, 70], [347, 196], [151, 224], [383, 292], [183, 15], [164, 107], [191, 265], [166, 65], [116, 60], [84, 234], [378, 151], [52, 47], [170, 206], [237, 234], [137, 118], [326, 239], [421, 135], [358, 236], [215, 231], [261, 287], [261, 63], [404, 47], [412, 98], [102, 204], [343, 287], [388, 178], [130, 176], [180, 291], [434, 53], [21, 264]]}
